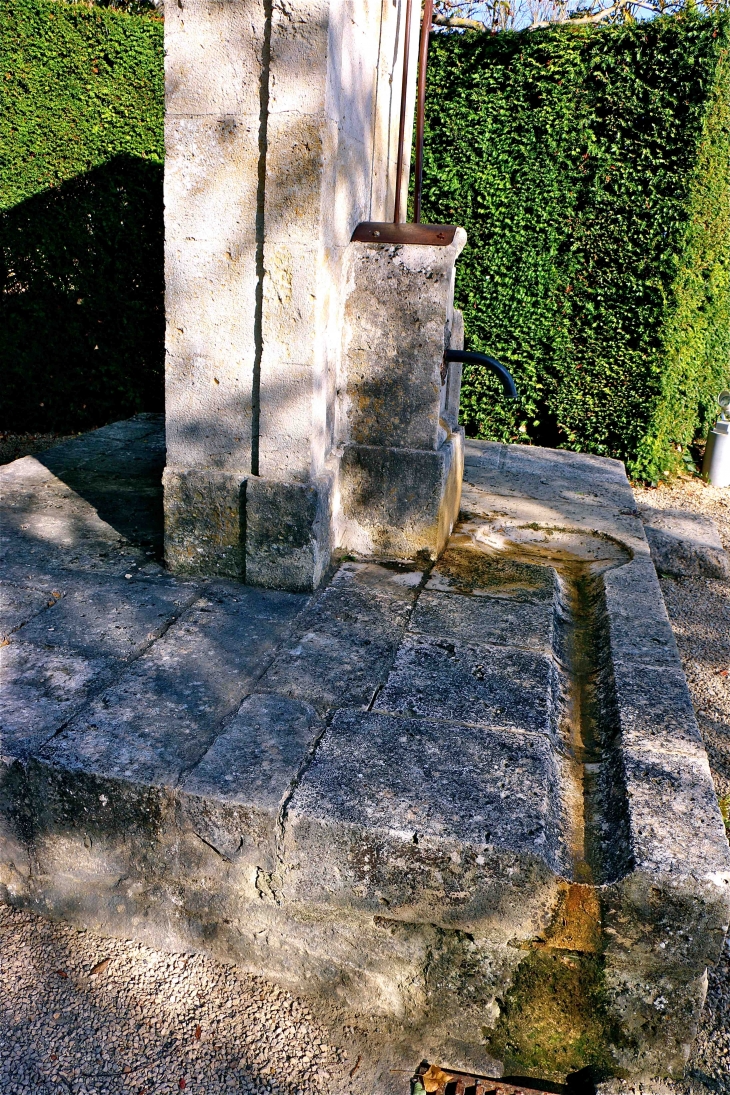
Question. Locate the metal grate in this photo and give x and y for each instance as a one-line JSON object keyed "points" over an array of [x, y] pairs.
{"points": [[435, 1080]]}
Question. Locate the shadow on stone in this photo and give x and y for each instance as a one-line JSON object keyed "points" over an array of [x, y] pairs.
{"points": [[118, 471]]}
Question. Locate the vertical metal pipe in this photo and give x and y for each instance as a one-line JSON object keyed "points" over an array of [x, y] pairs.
{"points": [[420, 116], [402, 127]]}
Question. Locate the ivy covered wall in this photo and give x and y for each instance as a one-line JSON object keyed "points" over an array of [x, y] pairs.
{"points": [[81, 226]]}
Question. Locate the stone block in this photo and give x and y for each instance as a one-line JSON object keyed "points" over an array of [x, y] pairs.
{"points": [[676, 832], [91, 505], [528, 471], [295, 162], [197, 438], [299, 57], [399, 503], [211, 181], [42, 689], [288, 532], [353, 102], [483, 861], [233, 798], [645, 638], [113, 618], [213, 58], [685, 545], [398, 308], [486, 620], [289, 308], [205, 522], [666, 920], [16, 824], [257, 757], [352, 197], [47, 525], [287, 428], [345, 641], [451, 390], [635, 584], [143, 427], [102, 849], [163, 714], [210, 351], [19, 604], [473, 684], [654, 710]]}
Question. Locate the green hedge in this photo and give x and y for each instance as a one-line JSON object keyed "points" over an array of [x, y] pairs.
{"points": [[81, 228], [591, 170]]}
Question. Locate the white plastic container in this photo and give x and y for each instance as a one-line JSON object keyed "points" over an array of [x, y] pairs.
{"points": [[716, 464]]}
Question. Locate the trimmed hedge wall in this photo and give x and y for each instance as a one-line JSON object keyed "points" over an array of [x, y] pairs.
{"points": [[81, 227], [591, 170]]}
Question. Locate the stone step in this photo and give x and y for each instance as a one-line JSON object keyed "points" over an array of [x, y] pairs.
{"points": [[471, 801]]}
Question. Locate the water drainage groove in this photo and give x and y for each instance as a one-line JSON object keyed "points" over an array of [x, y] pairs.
{"points": [[580, 561]]}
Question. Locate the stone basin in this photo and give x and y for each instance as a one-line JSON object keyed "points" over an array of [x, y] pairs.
{"points": [[467, 802]]}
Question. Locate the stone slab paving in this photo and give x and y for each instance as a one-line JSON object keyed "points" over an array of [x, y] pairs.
{"points": [[448, 798]]}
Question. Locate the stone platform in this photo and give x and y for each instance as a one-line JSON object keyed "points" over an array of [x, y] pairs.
{"points": [[470, 801]]}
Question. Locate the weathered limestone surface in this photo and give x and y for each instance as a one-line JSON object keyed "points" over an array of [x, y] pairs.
{"points": [[288, 534], [399, 503], [468, 799], [684, 544], [402, 463]]}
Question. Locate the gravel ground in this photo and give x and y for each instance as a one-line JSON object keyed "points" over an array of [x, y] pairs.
{"points": [[148, 1022], [699, 609]]}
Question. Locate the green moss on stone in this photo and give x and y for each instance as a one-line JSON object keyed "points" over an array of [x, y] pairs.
{"points": [[554, 1021]]}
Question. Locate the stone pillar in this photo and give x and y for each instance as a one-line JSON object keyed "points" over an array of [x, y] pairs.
{"points": [[403, 456], [281, 135]]}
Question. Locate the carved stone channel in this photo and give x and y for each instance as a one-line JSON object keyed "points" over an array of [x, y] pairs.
{"points": [[580, 560]]}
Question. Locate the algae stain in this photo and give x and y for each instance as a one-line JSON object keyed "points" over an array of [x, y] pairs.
{"points": [[554, 1021]]}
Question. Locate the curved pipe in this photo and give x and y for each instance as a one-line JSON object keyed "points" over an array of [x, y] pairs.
{"points": [[470, 357]]}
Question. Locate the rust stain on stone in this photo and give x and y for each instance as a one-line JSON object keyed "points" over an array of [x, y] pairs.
{"points": [[577, 922]]}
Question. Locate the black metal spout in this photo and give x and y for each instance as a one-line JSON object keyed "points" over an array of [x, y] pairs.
{"points": [[470, 357]]}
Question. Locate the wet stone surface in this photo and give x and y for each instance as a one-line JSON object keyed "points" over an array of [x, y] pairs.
{"points": [[386, 793]]}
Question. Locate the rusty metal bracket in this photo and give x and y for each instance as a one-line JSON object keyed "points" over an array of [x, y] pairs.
{"points": [[435, 1080], [428, 235]]}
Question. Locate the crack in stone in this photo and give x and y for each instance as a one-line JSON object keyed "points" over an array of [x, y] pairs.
{"points": [[218, 852], [260, 226]]}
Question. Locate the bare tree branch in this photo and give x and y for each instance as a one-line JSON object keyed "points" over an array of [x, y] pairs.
{"points": [[457, 21], [582, 20], [496, 15]]}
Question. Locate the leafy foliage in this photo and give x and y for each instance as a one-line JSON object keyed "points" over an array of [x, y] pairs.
{"points": [[81, 230], [591, 169]]}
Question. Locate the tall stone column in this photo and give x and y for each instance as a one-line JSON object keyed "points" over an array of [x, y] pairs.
{"points": [[281, 135]]}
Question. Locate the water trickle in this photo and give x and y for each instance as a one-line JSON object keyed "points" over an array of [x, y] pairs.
{"points": [[580, 560]]}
